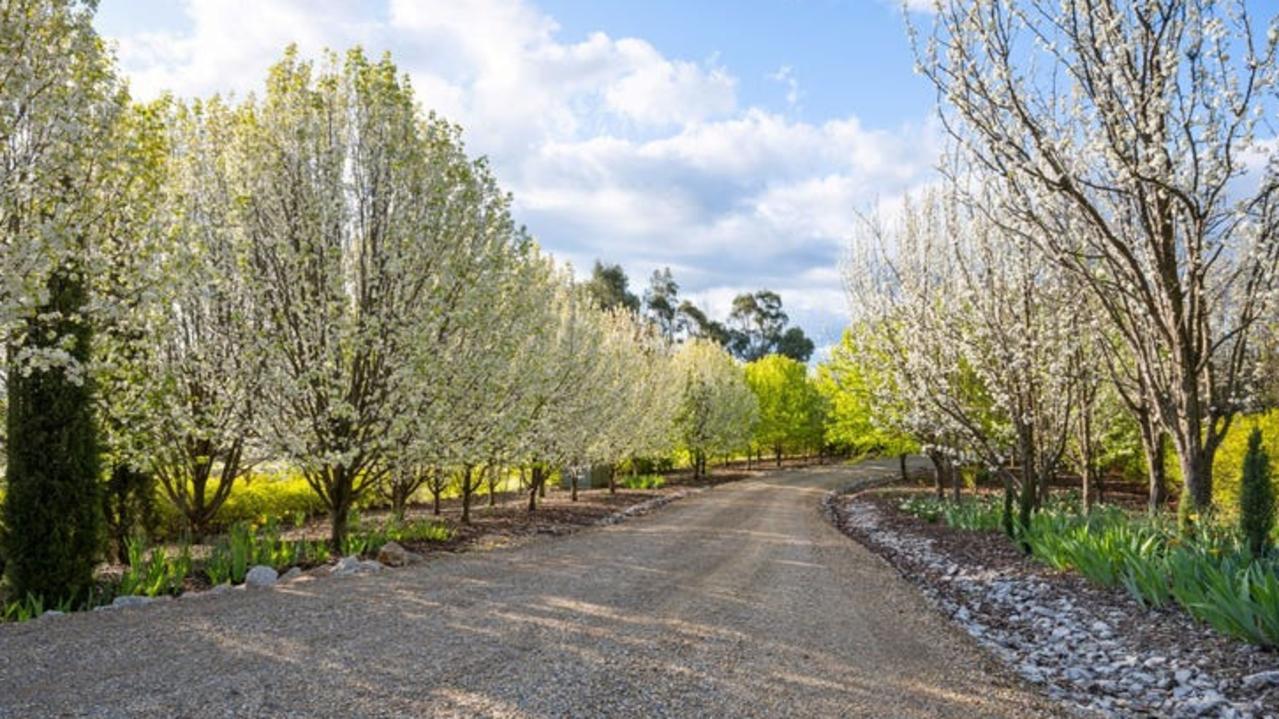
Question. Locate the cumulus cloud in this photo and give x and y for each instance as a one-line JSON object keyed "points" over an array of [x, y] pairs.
{"points": [[612, 149]]}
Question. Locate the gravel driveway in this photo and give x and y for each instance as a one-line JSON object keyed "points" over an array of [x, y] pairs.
{"points": [[740, 601]]}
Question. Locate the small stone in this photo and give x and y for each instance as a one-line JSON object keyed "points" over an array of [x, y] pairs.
{"points": [[1261, 680], [1142, 678], [261, 577], [1077, 674], [1205, 704], [1183, 676], [393, 555], [293, 573], [131, 600], [346, 566], [51, 613]]}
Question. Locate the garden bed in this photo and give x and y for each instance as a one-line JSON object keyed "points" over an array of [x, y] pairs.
{"points": [[185, 570], [1094, 649]]}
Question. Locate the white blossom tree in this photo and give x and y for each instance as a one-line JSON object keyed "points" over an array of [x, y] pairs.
{"points": [[1131, 142], [717, 409]]}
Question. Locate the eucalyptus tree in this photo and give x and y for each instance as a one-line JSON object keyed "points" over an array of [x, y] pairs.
{"points": [[1131, 140], [59, 105], [661, 302], [356, 213]]}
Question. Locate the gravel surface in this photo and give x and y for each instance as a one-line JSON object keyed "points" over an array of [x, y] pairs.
{"points": [[739, 601]]}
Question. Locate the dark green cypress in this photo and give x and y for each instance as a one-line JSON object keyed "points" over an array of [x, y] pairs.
{"points": [[1256, 496], [52, 509]]}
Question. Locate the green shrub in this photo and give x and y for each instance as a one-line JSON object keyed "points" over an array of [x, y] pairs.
{"points": [[52, 510], [1256, 497]]}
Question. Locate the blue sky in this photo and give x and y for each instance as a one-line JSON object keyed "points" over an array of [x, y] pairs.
{"points": [[732, 141]]}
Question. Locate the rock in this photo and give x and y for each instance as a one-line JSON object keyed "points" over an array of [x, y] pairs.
{"points": [[1101, 629], [1261, 680], [293, 573], [1183, 676], [1209, 702], [393, 555], [131, 600], [51, 613], [261, 577], [1077, 674], [353, 565], [1142, 678]]}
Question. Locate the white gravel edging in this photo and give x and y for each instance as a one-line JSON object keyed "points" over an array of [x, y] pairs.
{"points": [[1076, 653]]}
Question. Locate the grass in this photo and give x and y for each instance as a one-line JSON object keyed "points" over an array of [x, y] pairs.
{"points": [[643, 481], [980, 513]]}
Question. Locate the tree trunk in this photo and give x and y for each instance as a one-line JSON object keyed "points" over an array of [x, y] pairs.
{"points": [[1194, 451], [538, 479], [956, 480], [612, 479], [1152, 445], [1007, 476], [939, 472], [493, 482], [572, 480], [466, 494], [339, 513], [902, 460], [777, 451]]}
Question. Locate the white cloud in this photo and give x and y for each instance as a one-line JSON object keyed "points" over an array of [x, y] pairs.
{"points": [[612, 149]]}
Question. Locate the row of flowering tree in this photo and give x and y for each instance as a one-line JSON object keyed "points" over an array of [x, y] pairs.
{"points": [[1102, 249], [317, 276]]}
